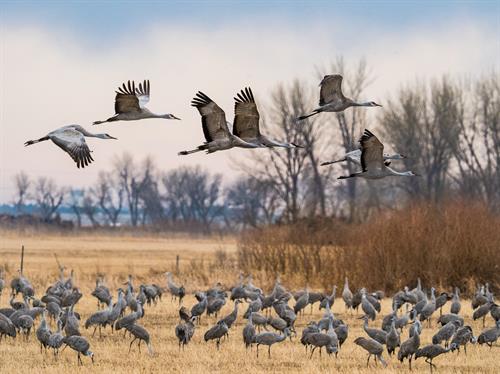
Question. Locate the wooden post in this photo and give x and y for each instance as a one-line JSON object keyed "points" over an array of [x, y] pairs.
{"points": [[177, 259], [22, 259]]}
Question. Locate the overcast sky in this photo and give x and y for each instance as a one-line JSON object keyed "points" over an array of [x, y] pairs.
{"points": [[60, 63]]}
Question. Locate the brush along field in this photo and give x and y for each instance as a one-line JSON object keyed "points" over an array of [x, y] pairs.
{"points": [[202, 263]]}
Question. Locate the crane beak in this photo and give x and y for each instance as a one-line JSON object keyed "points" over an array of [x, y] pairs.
{"points": [[174, 117]]}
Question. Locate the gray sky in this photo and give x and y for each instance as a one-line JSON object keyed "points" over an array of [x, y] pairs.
{"points": [[61, 62]]}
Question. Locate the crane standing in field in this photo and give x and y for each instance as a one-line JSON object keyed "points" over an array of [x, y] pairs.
{"points": [[130, 104], [331, 98], [372, 347], [71, 139]]}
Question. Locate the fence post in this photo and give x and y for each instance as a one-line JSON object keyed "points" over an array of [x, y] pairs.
{"points": [[177, 258]]}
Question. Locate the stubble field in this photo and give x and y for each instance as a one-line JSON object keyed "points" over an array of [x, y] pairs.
{"points": [[202, 263]]}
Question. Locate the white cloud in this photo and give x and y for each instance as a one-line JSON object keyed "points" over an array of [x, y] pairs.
{"points": [[49, 79]]}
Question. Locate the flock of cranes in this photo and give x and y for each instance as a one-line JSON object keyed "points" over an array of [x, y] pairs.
{"points": [[399, 333], [131, 101]]}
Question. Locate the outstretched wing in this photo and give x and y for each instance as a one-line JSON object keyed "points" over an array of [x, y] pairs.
{"points": [[331, 89], [213, 118], [371, 152], [126, 101], [142, 93], [73, 142], [246, 115]]}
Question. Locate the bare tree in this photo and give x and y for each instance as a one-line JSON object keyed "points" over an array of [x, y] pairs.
{"points": [[48, 197], [423, 122], [134, 182], [75, 203], [477, 150], [90, 208], [251, 202], [109, 194], [23, 183]]}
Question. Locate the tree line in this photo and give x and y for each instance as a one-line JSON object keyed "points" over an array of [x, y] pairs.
{"points": [[447, 127]]}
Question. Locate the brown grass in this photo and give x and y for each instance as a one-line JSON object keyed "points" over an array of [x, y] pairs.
{"points": [[452, 245], [147, 258]]}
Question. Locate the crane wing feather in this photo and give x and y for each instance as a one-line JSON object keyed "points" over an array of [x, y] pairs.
{"points": [[371, 152], [126, 100], [213, 118], [331, 89], [73, 143], [142, 93], [246, 115]]}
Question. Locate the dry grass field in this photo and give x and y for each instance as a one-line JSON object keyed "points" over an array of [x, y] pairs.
{"points": [[147, 258]]}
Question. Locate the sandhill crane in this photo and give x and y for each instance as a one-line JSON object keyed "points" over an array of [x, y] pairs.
{"points": [[254, 306], [101, 293], [311, 328], [331, 98], [71, 325], [462, 336], [318, 340], [141, 334], [217, 134], [7, 328], [302, 302], [131, 318], [277, 323], [184, 331], [246, 122], [216, 332], [479, 298], [429, 309], [372, 347], [393, 339], [25, 324], [490, 336], [409, 347], [455, 302], [259, 320], [269, 339], [430, 352], [130, 104], [372, 160], [199, 308], [328, 299], [184, 314], [441, 300], [249, 332], [446, 318], [355, 157], [231, 317], [175, 290], [415, 328], [376, 334], [99, 319], [495, 312], [71, 139], [347, 295], [367, 307], [482, 311], [56, 339], [80, 345], [116, 310], [43, 333], [445, 333], [342, 332]]}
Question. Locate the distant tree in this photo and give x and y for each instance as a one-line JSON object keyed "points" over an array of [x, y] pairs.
{"points": [[76, 204], [22, 184], [48, 197], [109, 196]]}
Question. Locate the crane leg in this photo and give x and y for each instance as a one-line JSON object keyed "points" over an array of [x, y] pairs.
{"points": [[130, 347], [269, 351], [368, 361], [139, 345], [312, 352], [257, 350], [410, 362]]}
